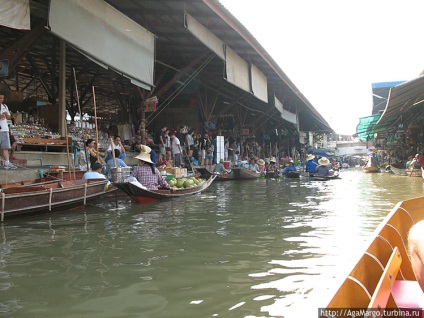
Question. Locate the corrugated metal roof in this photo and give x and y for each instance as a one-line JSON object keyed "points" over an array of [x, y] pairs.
{"points": [[386, 84]]}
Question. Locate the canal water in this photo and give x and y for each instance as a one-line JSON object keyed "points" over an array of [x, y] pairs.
{"points": [[241, 249]]}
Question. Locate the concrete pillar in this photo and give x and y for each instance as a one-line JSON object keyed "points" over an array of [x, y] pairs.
{"points": [[324, 141], [311, 139], [62, 89]]}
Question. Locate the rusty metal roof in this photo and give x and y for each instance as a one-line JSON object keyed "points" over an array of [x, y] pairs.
{"points": [[176, 48]]}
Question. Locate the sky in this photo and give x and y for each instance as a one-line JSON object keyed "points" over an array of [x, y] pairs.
{"points": [[333, 50]]}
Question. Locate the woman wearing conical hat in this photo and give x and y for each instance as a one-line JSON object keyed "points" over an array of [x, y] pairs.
{"points": [[324, 167], [272, 169], [147, 174], [311, 165]]}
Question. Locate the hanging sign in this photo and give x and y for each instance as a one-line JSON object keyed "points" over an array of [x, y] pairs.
{"points": [[150, 104]]}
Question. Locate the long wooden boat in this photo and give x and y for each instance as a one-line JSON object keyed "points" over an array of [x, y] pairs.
{"points": [[44, 196], [205, 173], [406, 172], [272, 175], [317, 177], [241, 173], [293, 175], [143, 195], [371, 169], [383, 277]]}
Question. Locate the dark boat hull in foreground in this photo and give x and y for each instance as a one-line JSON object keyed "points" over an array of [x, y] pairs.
{"points": [[43, 197]]}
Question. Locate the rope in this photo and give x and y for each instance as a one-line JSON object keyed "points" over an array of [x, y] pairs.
{"points": [[181, 88]]}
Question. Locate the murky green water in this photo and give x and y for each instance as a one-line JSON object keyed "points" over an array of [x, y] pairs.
{"points": [[241, 249]]}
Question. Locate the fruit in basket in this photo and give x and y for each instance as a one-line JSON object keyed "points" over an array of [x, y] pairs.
{"points": [[180, 183]]}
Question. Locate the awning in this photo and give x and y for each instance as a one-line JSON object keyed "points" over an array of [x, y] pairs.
{"points": [[106, 35], [402, 99], [366, 127]]}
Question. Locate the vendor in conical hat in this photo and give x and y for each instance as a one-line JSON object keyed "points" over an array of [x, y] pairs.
{"points": [[272, 168], [147, 149], [147, 174], [324, 167], [311, 165]]}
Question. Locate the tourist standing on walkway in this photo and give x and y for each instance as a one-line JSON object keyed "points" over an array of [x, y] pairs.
{"points": [[4, 134], [180, 135], [176, 149], [161, 140], [205, 145], [190, 143]]}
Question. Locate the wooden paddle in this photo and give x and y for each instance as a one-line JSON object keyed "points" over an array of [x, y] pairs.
{"points": [[81, 116], [112, 146], [95, 123]]}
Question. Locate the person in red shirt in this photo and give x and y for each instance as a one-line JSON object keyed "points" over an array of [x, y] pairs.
{"points": [[420, 160]]}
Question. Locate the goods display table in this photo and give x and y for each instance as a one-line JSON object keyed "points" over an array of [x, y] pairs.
{"points": [[41, 144]]}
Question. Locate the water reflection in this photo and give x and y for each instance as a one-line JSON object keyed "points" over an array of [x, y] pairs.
{"points": [[243, 249]]}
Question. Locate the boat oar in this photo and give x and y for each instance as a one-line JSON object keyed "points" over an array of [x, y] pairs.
{"points": [[112, 146], [189, 161], [95, 123], [81, 116], [67, 151]]}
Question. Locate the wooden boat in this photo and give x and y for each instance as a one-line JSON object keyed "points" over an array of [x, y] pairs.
{"points": [[241, 173], [372, 169], [47, 195], [293, 175], [272, 175], [205, 173], [405, 172], [383, 276], [317, 177], [189, 175], [143, 195]]}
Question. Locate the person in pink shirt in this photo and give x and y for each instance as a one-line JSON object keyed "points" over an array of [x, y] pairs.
{"points": [[147, 174]]}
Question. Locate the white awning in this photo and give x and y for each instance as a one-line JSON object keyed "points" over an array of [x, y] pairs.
{"points": [[237, 70], [259, 84], [15, 14], [285, 114], [106, 35], [204, 35]]}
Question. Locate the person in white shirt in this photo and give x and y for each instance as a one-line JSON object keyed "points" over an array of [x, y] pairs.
{"points": [[116, 145], [176, 149], [4, 134], [95, 172]]}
